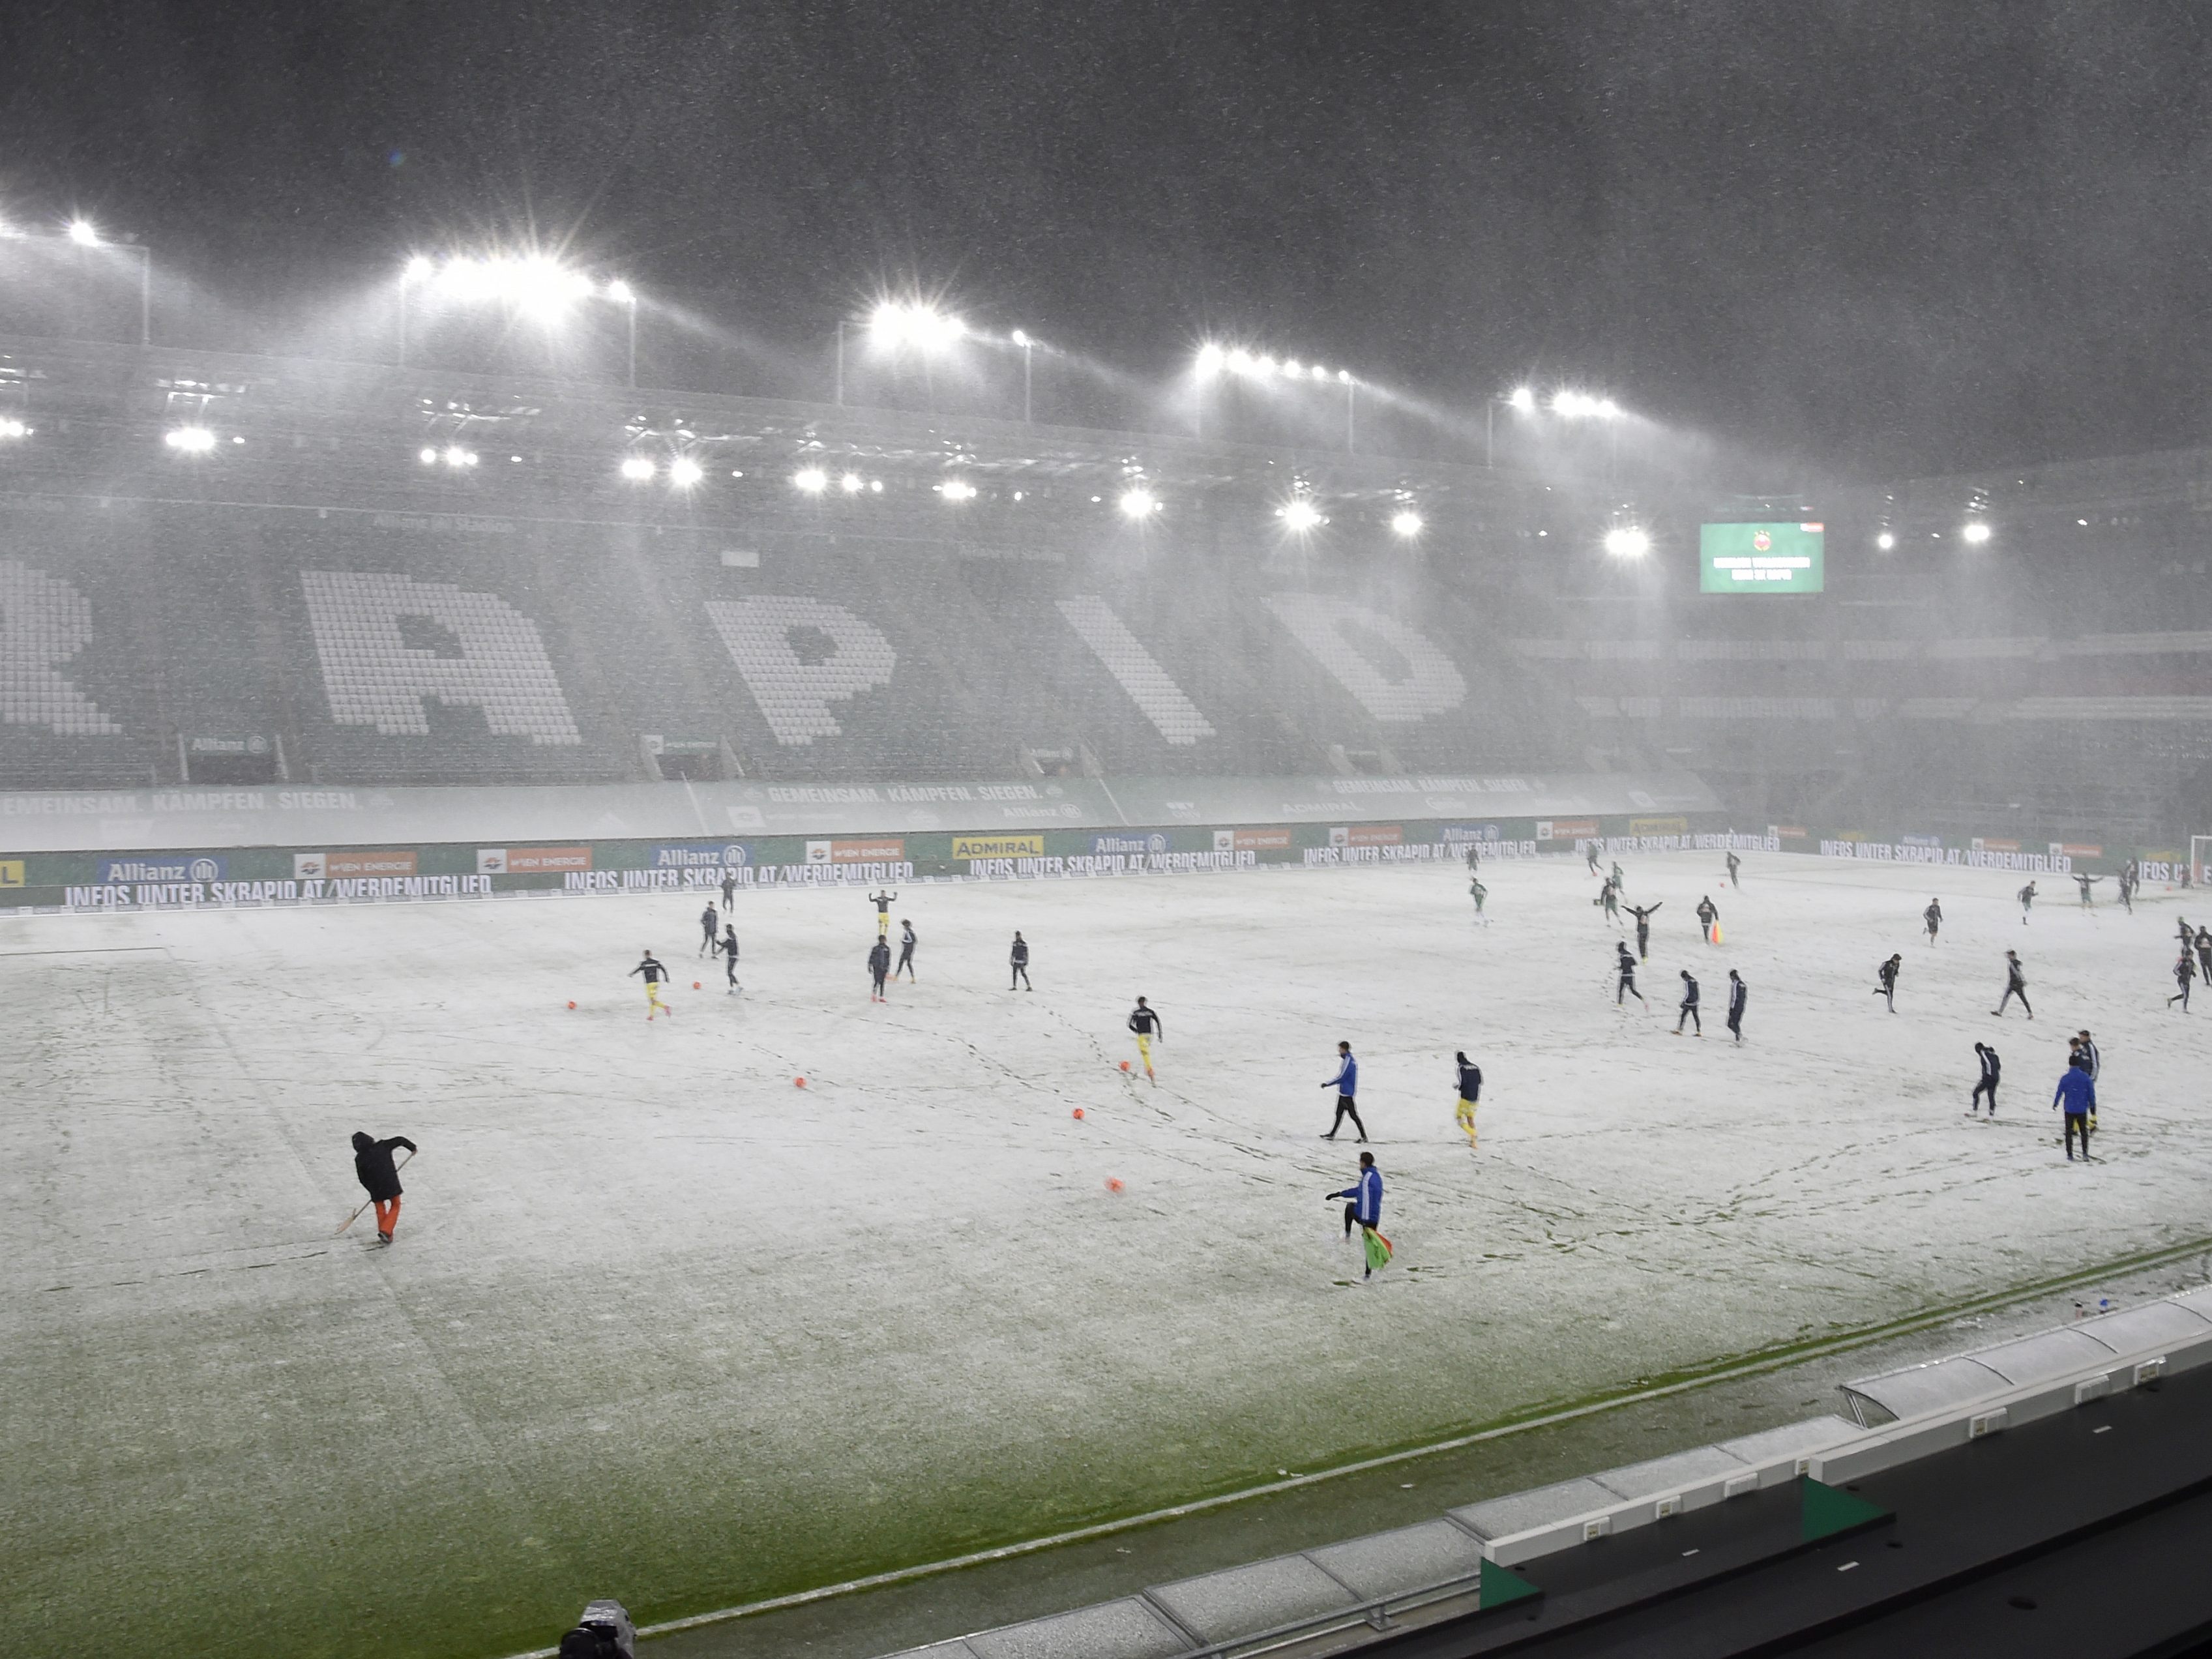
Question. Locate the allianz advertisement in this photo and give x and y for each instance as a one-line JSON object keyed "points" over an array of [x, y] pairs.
{"points": [[311, 875]]}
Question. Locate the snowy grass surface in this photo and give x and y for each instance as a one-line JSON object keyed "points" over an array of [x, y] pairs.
{"points": [[659, 1324]]}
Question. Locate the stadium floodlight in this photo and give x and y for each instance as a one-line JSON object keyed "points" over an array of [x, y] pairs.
{"points": [[1344, 376], [190, 440], [426, 455], [12, 427], [1263, 366], [811, 479], [457, 456], [850, 483], [1627, 541], [914, 324], [418, 268], [1293, 368], [620, 292], [1212, 360], [1976, 531], [957, 489], [1021, 338], [1407, 523], [637, 468], [1885, 541], [1300, 515], [1239, 360], [84, 233], [1138, 503], [1523, 399], [683, 472]]}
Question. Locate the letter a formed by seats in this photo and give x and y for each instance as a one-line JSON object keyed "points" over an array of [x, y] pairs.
{"points": [[374, 678]]}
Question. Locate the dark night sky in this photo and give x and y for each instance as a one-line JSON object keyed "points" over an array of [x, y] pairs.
{"points": [[1908, 235]]}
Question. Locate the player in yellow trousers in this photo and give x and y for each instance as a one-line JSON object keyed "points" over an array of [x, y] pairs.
{"points": [[654, 973], [1147, 1025], [1470, 1091]]}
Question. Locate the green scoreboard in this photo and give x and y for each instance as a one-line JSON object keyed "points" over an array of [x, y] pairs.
{"points": [[1760, 558]]}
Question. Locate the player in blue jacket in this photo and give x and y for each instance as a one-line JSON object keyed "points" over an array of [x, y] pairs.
{"points": [[1365, 1209], [2076, 1097], [1346, 1084]]}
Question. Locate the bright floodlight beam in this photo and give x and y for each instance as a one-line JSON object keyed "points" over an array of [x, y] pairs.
{"points": [[84, 233], [683, 472], [812, 480], [1627, 541], [1885, 541], [1407, 523], [1138, 503], [914, 324], [637, 468], [190, 440], [1523, 399], [1212, 360], [1300, 515], [850, 483], [1976, 531]]}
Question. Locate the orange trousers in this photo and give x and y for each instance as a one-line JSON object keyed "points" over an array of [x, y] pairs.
{"points": [[387, 1215]]}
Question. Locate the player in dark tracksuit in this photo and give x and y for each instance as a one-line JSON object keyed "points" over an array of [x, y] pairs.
{"points": [[1019, 959], [1734, 864], [1993, 1068], [1643, 913], [2076, 1097], [1625, 965], [879, 967], [1932, 919], [379, 1178], [2085, 882], [1365, 1209], [729, 889], [1738, 996], [1688, 1010], [2184, 970], [2204, 952], [2015, 985], [2027, 897], [710, 927], [1708, 913], [1346, 1084], [906, 949], [727, 944], [1887, 974]]}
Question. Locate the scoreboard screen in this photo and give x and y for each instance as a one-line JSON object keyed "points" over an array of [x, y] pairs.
{"points": [[1760, 558]]}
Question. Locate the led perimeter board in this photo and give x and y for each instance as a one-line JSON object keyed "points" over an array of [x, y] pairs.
{"points": [[1760, 558]]}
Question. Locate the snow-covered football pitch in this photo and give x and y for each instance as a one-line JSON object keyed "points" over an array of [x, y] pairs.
{"points": [[660, 1324]]}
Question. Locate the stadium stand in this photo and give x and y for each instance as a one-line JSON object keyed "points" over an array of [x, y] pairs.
{"points": [[313, 598]]}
